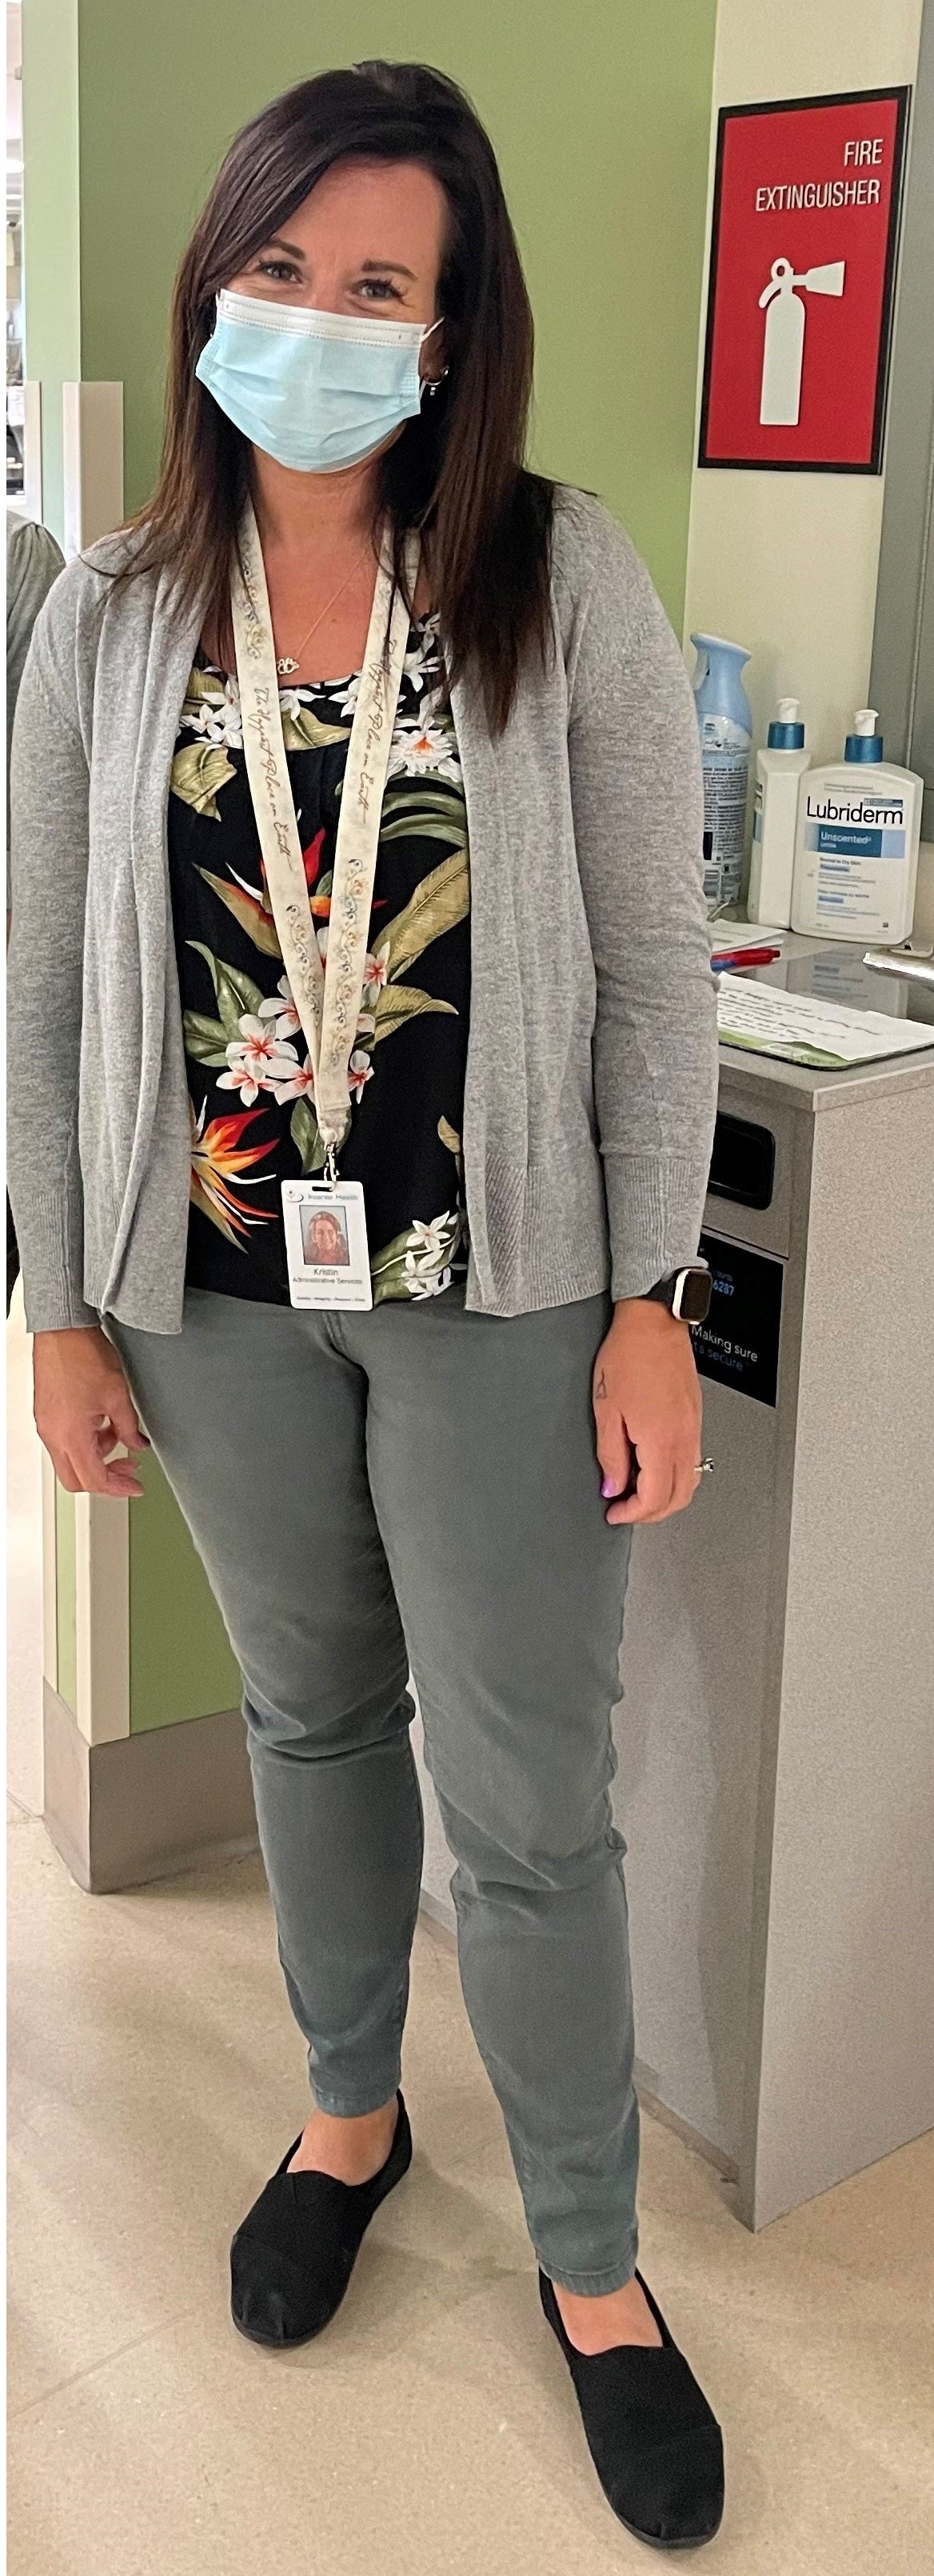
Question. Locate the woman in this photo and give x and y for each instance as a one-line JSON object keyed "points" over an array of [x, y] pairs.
{"points": [[512, 1114]]}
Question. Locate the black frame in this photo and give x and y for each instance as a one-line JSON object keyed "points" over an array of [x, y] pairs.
{"points": [[777, 107]]}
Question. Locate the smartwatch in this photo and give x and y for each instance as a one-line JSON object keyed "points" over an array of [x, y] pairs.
{"points": [[686, 1292]]}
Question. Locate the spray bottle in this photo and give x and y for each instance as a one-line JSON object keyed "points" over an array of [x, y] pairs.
{"points": [[725, 720]]}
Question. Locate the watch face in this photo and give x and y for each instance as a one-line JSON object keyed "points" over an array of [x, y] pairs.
{"points": [[696, 1289]]}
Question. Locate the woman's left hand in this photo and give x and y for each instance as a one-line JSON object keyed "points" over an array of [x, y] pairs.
{"points": [[647, 1397]]}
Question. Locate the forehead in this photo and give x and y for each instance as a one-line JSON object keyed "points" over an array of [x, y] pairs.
{"points": [[373, 210]]}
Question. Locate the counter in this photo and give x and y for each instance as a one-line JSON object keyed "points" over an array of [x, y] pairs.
{"points": [[775, 1734]]}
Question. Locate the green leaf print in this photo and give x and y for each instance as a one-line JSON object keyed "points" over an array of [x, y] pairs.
{"points": [[305, 731], [398, 1003], [449, 1137], [388, 1271], [442, 898], [197, 772], [205, 1040], [307, 1138], [237, 995], [435, 813]]}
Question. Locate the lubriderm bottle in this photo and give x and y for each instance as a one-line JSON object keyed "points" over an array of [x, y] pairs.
{"points": [[856, 855], [778, 771]]}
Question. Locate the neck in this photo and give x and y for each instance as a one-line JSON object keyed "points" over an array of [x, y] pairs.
{"points": [[312, 513]]}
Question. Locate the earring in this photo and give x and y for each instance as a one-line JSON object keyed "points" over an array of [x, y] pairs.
{"points": [[435, 381]]}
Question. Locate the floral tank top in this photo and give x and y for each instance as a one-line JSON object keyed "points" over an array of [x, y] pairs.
{"points": [[251, 1088]]}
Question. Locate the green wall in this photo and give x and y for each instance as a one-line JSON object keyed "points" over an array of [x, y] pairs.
{"points": [[600, 117], [180, 1662], [52, 290]]}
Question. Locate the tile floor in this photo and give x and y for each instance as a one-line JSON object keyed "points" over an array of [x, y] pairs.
{"points": [[156, 2077]]}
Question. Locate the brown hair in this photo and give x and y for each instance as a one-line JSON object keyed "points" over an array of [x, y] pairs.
{"points": [[456, 472]]}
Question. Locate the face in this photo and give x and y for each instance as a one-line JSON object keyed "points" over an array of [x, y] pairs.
{"points": [[325, 1240], [369, 240]]}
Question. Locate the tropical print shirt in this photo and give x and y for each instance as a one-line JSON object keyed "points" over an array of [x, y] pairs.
{"points": [[251, 1089]]}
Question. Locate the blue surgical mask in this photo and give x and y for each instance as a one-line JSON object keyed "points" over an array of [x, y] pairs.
{"points": [[318, 391]]}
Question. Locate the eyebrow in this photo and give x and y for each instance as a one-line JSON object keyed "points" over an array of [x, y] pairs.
{"points": [[368, 267]]}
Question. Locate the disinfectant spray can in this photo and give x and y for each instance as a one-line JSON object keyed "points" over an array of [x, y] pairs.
{"points": [[725, 720]]}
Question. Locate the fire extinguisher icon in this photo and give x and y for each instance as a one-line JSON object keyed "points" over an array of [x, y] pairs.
{"points": [[783, 353]]}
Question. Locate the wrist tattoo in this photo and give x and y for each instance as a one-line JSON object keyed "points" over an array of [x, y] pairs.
{"points": [[600, 1388]]}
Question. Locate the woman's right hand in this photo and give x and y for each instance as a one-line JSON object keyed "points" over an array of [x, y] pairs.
{"points": [[83, 1407]]}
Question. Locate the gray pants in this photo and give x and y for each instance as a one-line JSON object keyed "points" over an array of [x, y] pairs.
{"points": [[419, 1489]]}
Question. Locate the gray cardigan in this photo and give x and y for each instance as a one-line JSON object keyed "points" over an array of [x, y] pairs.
{"points": [[591, 1071]]}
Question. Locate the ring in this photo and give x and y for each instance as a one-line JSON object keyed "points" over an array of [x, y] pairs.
{"points": [[704, 1467]]}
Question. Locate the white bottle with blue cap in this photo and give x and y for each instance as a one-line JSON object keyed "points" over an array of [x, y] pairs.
{"points": [[775, 819], [856, 857]]}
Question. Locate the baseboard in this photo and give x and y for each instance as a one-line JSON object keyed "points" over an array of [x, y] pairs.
{"points": [[148, 1805]]}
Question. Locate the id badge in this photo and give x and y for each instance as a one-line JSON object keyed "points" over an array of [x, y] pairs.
{"points": [[326, 1245]]}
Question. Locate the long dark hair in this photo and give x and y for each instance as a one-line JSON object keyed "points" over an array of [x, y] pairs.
{"points": [[456, 472]]}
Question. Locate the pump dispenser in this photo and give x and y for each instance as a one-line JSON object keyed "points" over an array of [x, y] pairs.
{"points": [[856, 853], [778, 772]]}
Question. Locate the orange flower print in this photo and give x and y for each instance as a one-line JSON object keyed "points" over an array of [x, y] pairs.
{"points": [[217, 1158]]}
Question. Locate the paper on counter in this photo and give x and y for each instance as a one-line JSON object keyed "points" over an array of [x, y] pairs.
{"points": [[804, 1031], [730, 936]]}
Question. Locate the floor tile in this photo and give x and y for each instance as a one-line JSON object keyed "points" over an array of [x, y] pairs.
{"points": [[155, 2077]]}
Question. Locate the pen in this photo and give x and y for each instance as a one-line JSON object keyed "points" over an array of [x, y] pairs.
{"points": [[723, 959]]}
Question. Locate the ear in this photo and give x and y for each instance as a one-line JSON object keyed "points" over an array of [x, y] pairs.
{"points": [[432, 356]]}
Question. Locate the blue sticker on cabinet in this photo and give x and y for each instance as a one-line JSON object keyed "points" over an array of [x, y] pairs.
{"points": [[738, 1344]]}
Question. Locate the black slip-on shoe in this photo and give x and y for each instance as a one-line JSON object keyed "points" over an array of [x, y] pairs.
{"points": [[654, 2441], [292, 2257]]}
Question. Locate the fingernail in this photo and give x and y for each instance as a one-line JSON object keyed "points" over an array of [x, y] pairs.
{"points": [[609, 1487]]}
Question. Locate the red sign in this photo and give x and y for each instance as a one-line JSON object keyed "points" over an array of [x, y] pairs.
{"points": [[802, 270]]}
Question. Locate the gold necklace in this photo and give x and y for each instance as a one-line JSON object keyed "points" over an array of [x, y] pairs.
{"points": [[285, 663]]}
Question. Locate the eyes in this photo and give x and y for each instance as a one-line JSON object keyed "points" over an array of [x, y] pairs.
{"points": [[371, 290]]}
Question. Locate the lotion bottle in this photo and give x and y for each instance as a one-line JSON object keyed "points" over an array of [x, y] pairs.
{"points": [[856, 856], [778, 771]]}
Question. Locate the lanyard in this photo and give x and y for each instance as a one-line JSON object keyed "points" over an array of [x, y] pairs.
{"points": [[327, 998]]}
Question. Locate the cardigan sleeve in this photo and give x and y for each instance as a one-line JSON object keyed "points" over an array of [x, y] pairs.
{"points": [[49, 865], [638, 810], [33, 562]]}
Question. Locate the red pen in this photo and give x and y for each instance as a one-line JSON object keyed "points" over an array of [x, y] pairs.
{"points": [[723, 959]]}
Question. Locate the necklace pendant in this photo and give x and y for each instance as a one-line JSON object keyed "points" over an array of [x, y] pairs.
{"points": [[285, 666]]}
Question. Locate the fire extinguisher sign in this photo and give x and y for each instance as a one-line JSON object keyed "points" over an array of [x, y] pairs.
{"points": [[802, 276]]}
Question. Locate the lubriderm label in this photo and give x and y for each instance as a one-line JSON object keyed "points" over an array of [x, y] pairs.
{"points": [[865, 827]]}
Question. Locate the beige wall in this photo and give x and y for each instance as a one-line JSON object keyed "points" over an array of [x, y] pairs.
{"points": [[786, 563]]}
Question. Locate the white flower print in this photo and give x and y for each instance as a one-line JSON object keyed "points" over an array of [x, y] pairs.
{"points": [[419, 744], [218, 717], [376, 971], [345, 695], [256, 1061], [291, 701], [433, 1287], [301, 1086], [281, 1008], [359, 1071], [429, 1244], [422, 657]]}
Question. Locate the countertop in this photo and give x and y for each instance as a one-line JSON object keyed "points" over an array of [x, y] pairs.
{"points": [[834, 970]]}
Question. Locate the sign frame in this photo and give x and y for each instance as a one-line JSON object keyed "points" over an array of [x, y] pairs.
{"points": [[901, 94]]}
